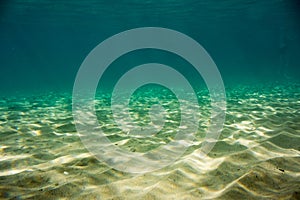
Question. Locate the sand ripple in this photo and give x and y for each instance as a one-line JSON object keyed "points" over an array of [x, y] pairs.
{"points": [[256, 157]]}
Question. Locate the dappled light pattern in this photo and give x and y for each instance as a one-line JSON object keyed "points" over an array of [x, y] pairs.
{"points": [[257, 155]]}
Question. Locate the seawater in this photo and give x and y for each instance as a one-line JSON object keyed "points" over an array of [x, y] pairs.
{"points": [[255, 47]]}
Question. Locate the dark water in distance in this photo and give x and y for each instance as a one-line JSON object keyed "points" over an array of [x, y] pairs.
{"points": [[43, 43]]}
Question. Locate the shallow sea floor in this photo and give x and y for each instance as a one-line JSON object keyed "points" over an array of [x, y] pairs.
{"points": [[256, 157]]}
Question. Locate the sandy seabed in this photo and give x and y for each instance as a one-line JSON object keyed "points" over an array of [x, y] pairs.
{"points": [[256, 157]]}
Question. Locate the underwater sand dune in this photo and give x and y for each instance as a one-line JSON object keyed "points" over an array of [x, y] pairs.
{"points": [[256, 157]]}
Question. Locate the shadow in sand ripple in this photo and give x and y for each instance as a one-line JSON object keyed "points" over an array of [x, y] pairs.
{"points": [[256, 157]]}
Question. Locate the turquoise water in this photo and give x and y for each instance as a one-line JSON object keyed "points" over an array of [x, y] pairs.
{"points": [[254, 44], [43, 44]]}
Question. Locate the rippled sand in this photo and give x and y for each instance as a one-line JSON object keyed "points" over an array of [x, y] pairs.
{"points": [[256, 157]]}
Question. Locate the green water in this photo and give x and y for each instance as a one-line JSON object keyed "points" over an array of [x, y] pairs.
{"points": [[254, 44], [43, 44]]}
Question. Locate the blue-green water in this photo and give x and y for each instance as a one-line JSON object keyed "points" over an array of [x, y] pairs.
{"points": [[255, 45], [43, 44]]}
